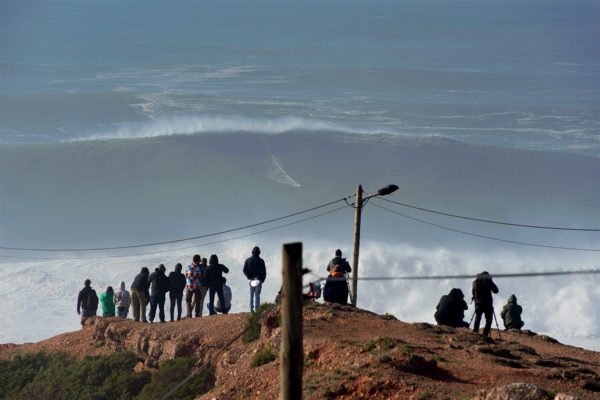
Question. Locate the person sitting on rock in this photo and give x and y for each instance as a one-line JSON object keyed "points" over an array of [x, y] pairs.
{"points": [[511, 314], [451, 309], [227, 295], [107, 301], [338, 260], [336, 287]]}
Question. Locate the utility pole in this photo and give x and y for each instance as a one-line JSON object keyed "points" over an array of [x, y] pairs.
{"points": [[357, 214], [291, 354], [360, 202]]}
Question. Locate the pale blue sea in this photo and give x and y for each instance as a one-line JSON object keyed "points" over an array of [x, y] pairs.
{"points": [[134, 122]]}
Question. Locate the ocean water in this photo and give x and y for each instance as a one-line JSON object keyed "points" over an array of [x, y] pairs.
{"points": [[124, 123]]}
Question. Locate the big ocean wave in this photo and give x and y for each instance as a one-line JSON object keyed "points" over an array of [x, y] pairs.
{"points": [[195, 177]]}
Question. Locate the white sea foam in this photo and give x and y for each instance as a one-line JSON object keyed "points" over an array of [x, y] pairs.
{"points": [[188, 125], [560, 307]]}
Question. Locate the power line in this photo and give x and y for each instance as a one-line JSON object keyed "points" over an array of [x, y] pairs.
{"points": [[491, 221], [188, 247], [484, 236], [467, 276], [176, 240]]}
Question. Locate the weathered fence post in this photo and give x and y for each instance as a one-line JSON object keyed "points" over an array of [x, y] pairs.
{"points": [[292, 353]]}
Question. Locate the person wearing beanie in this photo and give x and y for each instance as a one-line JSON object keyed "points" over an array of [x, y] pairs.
{"points": [[139, 295], [87, 301], [177, 281], [159, 286], [107, 301], [196, 290], [511, 314], [122, 300], [338, 260], [256, 272]]}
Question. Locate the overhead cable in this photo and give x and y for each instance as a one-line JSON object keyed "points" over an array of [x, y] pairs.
{"points": [[184, 248], [465, 276], [484, 236], [490, 221], [176, 240]]}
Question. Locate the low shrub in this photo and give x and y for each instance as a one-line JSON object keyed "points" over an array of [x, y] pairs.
{"points": [[264, 357], [252, 329]]}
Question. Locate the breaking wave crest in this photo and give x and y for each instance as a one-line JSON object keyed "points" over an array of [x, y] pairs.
{"points": [[189, 125]]}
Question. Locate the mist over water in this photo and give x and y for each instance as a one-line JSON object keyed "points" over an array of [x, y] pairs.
{"points": [[176, 124]]}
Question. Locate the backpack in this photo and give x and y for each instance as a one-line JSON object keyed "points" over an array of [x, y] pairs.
{"points": [[314, 290], [92, 300]]}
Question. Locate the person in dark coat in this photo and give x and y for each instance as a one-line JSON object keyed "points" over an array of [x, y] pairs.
{"points": [[213, 279], [338, 260], [483, 287], [511, 314], [139, 295], [256, 272], [451, 309], [159, 286], [87, 301], [336, 287], [178, 282]]}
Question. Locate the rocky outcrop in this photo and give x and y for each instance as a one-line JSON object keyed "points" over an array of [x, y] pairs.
{"points": [[521, 391]]}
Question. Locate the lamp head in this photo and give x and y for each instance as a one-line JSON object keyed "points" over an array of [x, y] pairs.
{"points": [[387, 190]]}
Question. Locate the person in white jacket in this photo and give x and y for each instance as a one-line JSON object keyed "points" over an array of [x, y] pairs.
{"points": [[223, 309], [122, 300]]}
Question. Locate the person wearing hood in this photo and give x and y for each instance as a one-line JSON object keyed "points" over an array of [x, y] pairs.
{"points": [[87, 301], [159, 286], [255, 271], [177, 281], [107, 301], [139, 295], [213, 279], [451, 309], [483, 287], [122, 300], [511, 314]]}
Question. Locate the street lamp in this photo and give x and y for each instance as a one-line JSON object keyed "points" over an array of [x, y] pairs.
{"points": [[360, 202]]}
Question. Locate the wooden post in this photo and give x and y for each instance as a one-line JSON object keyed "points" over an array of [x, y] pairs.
{"points": [[358, 210], [292, 352]]}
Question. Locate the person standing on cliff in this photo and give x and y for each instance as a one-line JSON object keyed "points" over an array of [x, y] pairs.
{"points": [[196, 291], [107, 301], [159, 286], [256, 272], [139, 295], [213, 279], [87, 301], [178, 282], [483, 287], [122, 300]]}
